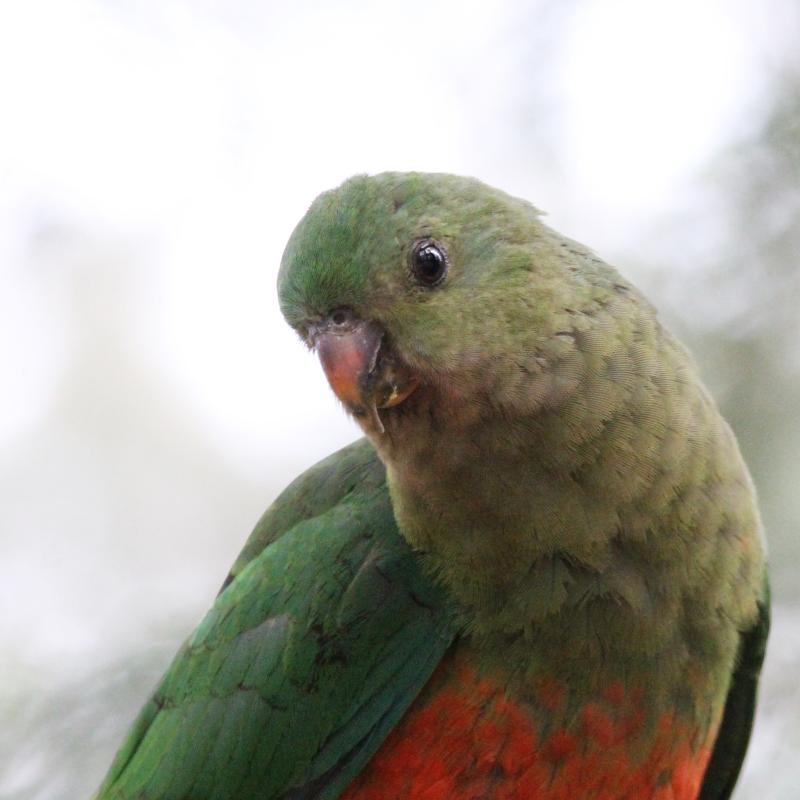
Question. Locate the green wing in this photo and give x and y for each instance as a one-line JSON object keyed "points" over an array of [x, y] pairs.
{"points": [[737, 719], [321, 638], [353, 469]]}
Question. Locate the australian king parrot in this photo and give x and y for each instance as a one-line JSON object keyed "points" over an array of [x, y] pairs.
{"points": [[541, 572]]}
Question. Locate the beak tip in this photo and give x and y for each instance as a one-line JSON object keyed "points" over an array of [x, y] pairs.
{"points": [[369, 413]]}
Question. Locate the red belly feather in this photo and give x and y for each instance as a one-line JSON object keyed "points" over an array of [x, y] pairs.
{"points": [[464, 739]]}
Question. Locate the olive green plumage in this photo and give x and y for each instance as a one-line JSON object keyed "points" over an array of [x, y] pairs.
{"points": [[307, 659], [562, 467], [577, 505], [575, 447]]}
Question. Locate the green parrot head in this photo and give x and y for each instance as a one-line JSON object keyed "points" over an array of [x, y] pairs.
{"points": [[407, 284]]}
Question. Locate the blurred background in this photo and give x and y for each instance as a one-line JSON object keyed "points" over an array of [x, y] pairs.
{"points": [[155, 156]]}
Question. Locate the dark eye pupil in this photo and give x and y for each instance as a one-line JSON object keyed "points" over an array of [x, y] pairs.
{"points": [[429, 263]]}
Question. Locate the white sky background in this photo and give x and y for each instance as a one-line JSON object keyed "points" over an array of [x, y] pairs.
{"points": [[207, 132], [205, 129], [154, 158]]}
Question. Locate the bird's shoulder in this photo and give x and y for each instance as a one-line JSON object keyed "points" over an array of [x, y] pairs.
{"points": [[352, 474], [325, 633]]}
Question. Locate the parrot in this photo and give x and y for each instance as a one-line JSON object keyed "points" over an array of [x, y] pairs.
{"points": [[541, 572]]}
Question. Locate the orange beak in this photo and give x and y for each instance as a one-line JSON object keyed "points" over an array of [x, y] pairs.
{"points": [[349, 353], [348, 358]]}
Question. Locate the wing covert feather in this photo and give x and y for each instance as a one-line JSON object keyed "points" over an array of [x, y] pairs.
{"points": [[323, 637]]}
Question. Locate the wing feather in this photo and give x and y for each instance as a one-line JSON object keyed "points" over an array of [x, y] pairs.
{"points": [[318, 643]]}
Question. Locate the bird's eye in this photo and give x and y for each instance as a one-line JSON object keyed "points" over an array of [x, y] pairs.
{"points": [[428, 262]]}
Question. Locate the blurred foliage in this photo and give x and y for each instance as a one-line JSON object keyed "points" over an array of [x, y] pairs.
{"points": [[737, 306], [740, 312]]}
